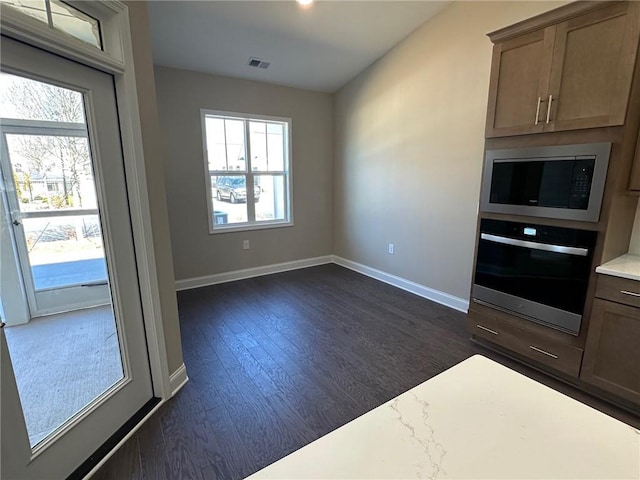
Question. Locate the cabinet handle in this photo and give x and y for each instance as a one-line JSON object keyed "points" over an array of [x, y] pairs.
{"points": [[487, 329], [543, 352], [630, 293], [538, 111], [549, 108]]}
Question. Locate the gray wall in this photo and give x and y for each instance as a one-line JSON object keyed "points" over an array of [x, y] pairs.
{"points": [[409, 144], [181, 95], [155, 160]]}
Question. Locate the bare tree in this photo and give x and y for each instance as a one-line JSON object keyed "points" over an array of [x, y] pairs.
{"points": [[68, 156], [42, 101]]}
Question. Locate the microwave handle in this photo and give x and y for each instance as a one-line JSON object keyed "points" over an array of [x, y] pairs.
{"points": [[582, 252]]}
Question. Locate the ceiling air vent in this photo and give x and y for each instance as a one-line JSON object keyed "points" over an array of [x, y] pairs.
{"points": [[256, 62]]}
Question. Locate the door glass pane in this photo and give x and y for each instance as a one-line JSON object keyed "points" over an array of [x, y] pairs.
{"points": [[272, 197], [27, 99], [229, 196], [68, 353], [52, 172], [65, 251]]}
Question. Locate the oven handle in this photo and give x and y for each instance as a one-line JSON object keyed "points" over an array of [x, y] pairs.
{"points": [[582, 252]]}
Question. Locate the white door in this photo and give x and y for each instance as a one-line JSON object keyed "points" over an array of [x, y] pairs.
{"points": [[69, 380], [51, 199]]}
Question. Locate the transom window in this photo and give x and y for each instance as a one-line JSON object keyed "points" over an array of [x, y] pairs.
{"points": [[61, 16], [244, 154]]}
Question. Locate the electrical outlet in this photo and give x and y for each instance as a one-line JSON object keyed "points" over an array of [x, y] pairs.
{"points": [[392, 249], [245, 245]]}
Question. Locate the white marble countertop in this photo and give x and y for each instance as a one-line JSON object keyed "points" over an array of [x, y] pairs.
{"points": [[626, 266], [478, 419]]}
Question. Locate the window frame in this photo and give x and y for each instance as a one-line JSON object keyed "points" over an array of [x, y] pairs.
{"points": [[249, 173]]}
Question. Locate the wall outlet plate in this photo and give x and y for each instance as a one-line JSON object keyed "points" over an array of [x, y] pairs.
{"points": [[392, 249], [245, 245]]}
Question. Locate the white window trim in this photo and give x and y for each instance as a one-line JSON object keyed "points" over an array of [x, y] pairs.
{"points": [[116, 58], [288, 173]]}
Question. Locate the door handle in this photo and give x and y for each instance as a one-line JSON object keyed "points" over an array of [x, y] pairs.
{"points": [[582, 252], [493, 332], [549, 108], [539, 350], [633, 294], [16, 223]]}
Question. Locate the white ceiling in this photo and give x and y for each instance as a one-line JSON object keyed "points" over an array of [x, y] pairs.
{"points": [[320, 47]]}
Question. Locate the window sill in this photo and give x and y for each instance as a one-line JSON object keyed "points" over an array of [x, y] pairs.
{"points": [[248, 227]]}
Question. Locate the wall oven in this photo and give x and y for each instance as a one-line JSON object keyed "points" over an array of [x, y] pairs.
{"points": [[536, 272]]}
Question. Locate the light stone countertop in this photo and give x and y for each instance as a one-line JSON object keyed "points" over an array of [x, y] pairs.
{"points": [[626, 266], [478, 419]]}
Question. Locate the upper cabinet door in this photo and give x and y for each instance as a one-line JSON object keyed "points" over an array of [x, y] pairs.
{"points": [[593, 62], [568, 69], [519, 81]]}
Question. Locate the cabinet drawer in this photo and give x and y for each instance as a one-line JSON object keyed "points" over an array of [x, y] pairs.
{"points": [[619, 290], [560, 357]]}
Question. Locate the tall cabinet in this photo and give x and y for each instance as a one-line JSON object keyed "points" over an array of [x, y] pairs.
{"points": [[571, 76]]}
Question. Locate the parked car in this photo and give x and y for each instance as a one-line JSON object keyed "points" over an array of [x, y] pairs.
{"points": [[234, 189]]}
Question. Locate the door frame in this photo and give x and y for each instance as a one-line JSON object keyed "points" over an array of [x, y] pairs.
{"points": [[117, 60]]}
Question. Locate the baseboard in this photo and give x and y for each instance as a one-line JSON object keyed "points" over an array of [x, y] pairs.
{"points": [[178, 379], [198, 282], [437, 296]]}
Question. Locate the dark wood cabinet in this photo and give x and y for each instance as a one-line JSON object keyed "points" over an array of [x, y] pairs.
{"points": [[612, 353], [525, 339], [517, 85], [573, 74]]}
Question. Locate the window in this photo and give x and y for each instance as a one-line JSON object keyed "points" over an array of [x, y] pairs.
{"points": [[247, 154], [61, 16]]}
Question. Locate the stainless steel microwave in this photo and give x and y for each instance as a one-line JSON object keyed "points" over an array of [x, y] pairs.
{"points": [[561, 181]]}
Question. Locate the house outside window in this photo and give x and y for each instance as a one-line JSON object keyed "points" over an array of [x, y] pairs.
{"points": [[243, 154]]}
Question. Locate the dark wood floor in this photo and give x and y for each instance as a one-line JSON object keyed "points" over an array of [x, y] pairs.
{"points": [[276, 362]]}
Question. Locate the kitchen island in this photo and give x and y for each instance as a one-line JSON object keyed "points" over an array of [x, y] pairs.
{"points": [[478, 419]]}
